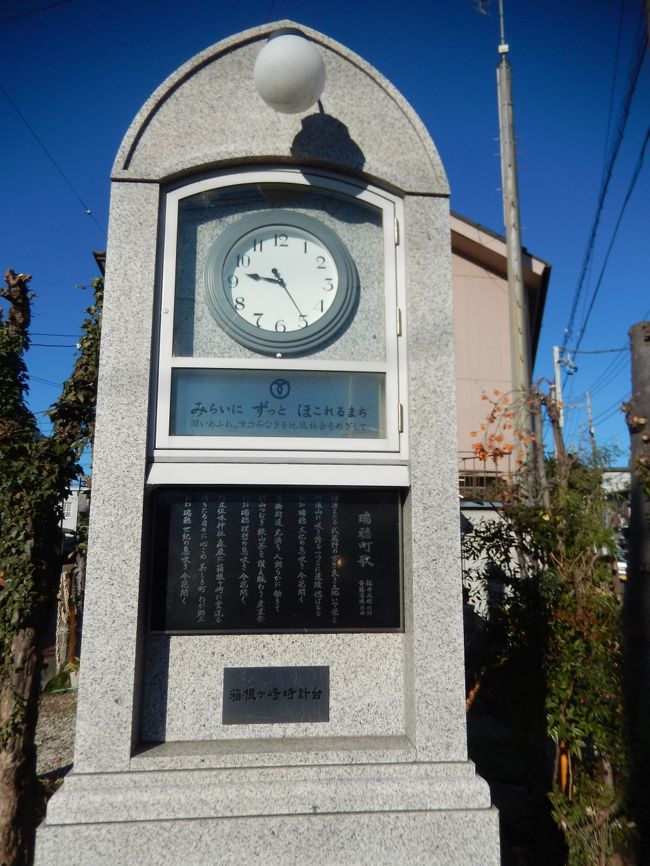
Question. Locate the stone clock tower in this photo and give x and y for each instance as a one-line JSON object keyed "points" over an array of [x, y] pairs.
{"points": [[272, 660]]}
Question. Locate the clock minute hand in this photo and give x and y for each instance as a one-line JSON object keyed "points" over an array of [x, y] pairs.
{"points": [[276, 274]]}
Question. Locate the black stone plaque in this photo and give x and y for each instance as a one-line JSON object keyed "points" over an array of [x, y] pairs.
{"points": [[261, 696], [275, 559]]}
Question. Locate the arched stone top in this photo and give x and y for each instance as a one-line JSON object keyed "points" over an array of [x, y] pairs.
{"points": [[207, 116]]}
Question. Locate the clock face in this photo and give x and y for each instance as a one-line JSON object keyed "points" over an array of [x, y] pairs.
{"points": [[280, 278], [281, 283]]}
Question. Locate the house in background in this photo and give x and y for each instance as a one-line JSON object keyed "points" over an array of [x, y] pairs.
{"points": [[482, 332], [76, 503], [484, 365]]}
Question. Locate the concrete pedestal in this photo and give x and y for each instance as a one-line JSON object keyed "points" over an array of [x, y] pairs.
{"points": [[361, 814]]}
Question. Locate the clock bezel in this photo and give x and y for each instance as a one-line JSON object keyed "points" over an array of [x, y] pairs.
{"points": [[306, 340]]}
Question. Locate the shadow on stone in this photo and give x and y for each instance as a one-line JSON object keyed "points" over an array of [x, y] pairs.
{"points": [[324, 138], [55, 775]]}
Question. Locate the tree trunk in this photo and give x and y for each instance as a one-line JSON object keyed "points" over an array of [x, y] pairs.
{"points": [[18, 713], [64, 617]]}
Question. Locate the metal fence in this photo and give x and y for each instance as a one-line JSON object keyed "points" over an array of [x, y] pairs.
{"points": [[484, 480]]}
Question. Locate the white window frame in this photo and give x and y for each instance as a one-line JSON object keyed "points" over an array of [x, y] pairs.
{"points": [[273, 449]]}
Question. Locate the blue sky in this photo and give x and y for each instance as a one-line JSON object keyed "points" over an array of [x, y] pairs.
{"points": [[79, 70]]}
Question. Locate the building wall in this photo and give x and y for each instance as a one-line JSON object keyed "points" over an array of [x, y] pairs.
{"points": [[482, 342], [482, 322], [71, 505]]}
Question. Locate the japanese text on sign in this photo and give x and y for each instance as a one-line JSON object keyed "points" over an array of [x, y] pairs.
{"points": [[286, 559]]}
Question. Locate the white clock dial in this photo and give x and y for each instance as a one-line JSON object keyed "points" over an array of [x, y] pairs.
{"points": [[280, 278], [281, 283]]}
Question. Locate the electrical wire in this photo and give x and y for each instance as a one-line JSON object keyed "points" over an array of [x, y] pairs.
{"points": [[47, 153], [604, 381], [45, 381], [614, 369], [614, 366], [599, 351], [610, 112], [56, 345], [571, 423], [626, 200], [607, 174], [618, 138], [33, 11], [45, 334], [612, 409]]}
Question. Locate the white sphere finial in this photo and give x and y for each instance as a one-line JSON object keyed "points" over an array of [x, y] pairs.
{"points": [[289, 72]]}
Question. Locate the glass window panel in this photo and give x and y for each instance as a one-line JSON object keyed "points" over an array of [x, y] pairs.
{"points": [[313, 404], [204, 216]]}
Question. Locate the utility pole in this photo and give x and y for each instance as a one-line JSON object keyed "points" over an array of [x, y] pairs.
{"points": [[558, 383], [519, 331], [637, 592], [590, 422], [557, 398]]}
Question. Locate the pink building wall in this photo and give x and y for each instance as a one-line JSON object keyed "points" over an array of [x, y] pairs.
{"points": [[481, 315]]}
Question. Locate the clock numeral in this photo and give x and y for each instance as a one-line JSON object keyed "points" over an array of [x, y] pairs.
{"points": [[281, 240], [258, 316], [303, 321], [243, 261], [233, 281], [240, 304], [320, 263], [329, 284], [280, 327], [257, 245]]}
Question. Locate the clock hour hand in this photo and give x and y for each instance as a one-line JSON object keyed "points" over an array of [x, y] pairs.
{"points": [[258, 277]]}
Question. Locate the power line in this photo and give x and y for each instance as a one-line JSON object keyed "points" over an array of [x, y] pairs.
{"points": [[609, 374], [618, 138], [33, 11], [44, 381], [45, 334], [599, 351], [611, 95], [56, 345], [572, 426], [41, 144], [628, 195], [617, 365], [574, 418], [612, 409], [614, 366], [607, 173]]}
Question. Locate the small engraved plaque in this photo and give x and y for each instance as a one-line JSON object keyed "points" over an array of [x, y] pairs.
{"points": [[262, 696]]}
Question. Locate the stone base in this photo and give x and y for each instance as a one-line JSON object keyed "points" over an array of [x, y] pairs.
{"points": [[382, 814]]}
